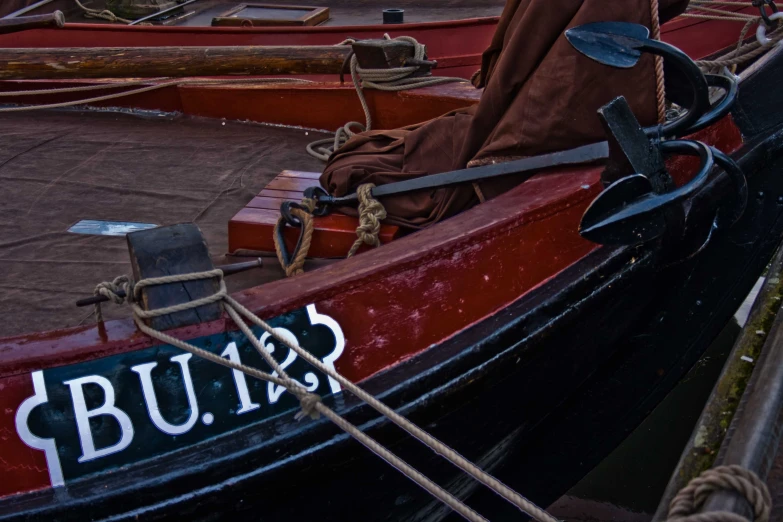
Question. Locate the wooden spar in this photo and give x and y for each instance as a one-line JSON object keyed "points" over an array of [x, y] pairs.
{"points": [[22, 23], [154, 62]]}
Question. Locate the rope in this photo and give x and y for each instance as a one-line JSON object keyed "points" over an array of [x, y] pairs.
{"points": [[311, 403], [371, 212], [305, 217], [165, 82], [114, 291], [103, 14], [393, 79], [660, 89], [685, 505], [743, 53]]}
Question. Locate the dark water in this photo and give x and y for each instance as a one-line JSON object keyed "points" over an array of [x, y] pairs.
{"points": [[628, 484]]}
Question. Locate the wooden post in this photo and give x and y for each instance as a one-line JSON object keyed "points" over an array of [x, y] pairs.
{"points": [[154, 62], [22, 23]]}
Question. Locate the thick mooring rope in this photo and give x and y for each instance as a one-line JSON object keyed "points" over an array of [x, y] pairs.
{"points": [[660, 89], [394, 79], [685, 505], [311, 404]]}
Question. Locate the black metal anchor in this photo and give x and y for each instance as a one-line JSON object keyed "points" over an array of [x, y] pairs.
{"points": [[640, 203]]}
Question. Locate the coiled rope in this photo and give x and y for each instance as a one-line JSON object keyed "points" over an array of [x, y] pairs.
{"points": [[310, 403], [685, 505], [103, 14], [393, 79]]}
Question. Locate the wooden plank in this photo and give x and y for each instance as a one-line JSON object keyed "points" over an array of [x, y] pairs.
{"points": [[299, 174], [172, 250], [154, 62], [263, 202], [298, 184], [288, 195]]}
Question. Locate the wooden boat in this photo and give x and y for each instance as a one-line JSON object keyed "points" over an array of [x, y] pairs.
{"points": [[515, 326], [455, 34]]}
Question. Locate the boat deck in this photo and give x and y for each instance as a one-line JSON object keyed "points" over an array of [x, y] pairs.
{"points": [[58, 168]]}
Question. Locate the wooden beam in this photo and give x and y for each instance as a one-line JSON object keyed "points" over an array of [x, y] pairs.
{"points": [[153, 62], [23, 23]]}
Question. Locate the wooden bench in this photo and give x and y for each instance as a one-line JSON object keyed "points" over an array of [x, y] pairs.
{"points": [[253, 226]]}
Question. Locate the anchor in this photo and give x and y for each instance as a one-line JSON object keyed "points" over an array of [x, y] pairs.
{"points": [[640, 202]]}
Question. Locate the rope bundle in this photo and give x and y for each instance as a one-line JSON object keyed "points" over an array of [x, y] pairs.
{"points": [[393, 79], [685, 505]]}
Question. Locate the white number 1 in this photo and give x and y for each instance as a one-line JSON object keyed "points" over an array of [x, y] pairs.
{"points": [[246, 404]]}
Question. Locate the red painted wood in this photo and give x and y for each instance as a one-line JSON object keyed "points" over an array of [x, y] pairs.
{"points": [[21, 467]]}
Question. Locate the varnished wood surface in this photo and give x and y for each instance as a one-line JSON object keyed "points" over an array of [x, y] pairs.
{"points": [[154, 62]]}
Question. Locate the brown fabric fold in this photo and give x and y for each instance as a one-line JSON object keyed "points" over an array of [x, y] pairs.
{"points": [[540, 95]]}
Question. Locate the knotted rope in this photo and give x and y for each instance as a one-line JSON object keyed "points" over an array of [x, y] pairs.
{"points": [[371, 213], [393, 79], [311, 404], [116, 291], [685, 505]]}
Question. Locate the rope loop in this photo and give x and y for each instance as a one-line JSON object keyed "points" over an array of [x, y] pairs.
{"points": [[293, 263], [685, 505]]}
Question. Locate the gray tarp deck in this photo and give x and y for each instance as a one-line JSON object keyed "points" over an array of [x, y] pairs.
{"points": [[59, 168]]}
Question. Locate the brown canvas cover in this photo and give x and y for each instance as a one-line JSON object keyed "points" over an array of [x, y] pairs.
{"points": [[540, 95]]}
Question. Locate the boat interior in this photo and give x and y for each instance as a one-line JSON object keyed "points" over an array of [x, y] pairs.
{"points": [[203, 13], [191, 156], [196, 154]]}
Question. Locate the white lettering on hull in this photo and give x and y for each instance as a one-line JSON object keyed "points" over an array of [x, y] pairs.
{"points": [[47, 445], [245, 404], [83, 416], [151, 399]]}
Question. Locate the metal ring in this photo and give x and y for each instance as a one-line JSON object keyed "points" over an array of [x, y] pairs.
{"points": [[321, 198], [761, 30]]}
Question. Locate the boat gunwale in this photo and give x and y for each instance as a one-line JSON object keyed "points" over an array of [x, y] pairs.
{"points": [[19, 354]]}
